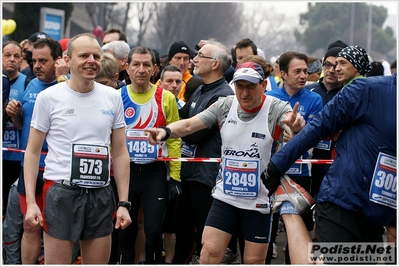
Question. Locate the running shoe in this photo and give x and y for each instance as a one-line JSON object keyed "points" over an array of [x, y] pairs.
{"points": [[274, 255], [231, 258], [196, 260], [290, 191]]}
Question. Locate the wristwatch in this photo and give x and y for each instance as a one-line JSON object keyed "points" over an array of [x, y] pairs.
{"points": [[62, 78], [126, 204]]}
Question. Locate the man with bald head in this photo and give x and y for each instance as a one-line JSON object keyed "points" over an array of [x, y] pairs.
{"points": [[79, 203]]}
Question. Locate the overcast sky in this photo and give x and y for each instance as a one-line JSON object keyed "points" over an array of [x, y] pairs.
{"points": [[294, 8]]}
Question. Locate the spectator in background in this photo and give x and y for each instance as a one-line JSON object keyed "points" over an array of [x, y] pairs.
{"points": [[337, 43], [243, 48], [27, 49], [327, 87], [192, 85], [114, 35], [277, 74], [109, 72], [12, 228], [61, 64], [261, 53], [5, 96], [120, 51], [171, 80], [198, 179], [64, 44], [266, 67], [228, 74], [247, 47], [314, 69], [377, 69], [179, 54], [108, 75], [11, 62], [387, 67], [293, 69], [45, 54], [24, 63], [393, 67], [157, 67], [163, 59]]}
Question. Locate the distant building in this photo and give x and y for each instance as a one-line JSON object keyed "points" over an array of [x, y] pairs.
{"points": [[79, 21]]}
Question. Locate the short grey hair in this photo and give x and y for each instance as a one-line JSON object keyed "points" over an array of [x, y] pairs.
{"points": [[120, 49], [222, 54]]}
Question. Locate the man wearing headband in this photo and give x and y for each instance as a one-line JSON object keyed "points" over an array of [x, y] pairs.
{"points": [[352, 62], [356, 198], [248, 122]]}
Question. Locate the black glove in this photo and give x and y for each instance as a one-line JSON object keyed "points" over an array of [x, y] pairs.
{"points": [[271, 178], [174, 189]]}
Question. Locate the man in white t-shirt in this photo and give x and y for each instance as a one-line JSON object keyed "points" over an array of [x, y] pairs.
{"points": [[80, 120]]}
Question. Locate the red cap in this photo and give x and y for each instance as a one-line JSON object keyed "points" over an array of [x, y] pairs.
{"points": [[64, 43]]}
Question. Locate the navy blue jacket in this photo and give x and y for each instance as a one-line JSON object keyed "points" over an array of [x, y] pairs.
{"points": [[365, 111]]}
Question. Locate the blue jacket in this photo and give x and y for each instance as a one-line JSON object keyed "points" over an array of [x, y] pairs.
{"points": [[310, 103], [13, 139], [365, 111]]}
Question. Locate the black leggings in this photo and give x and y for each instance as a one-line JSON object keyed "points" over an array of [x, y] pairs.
{"points": [[192, 208], [148, 186]]}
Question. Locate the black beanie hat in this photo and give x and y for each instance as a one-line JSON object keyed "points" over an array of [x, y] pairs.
{"points": [[178, 47], [377, 69], [337, 43], [333, 52]]}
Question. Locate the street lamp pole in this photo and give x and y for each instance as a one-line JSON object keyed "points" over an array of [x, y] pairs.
{"points": [[369, 29]]}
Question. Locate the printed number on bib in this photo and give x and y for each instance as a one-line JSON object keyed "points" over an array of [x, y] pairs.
{"points": [[241, 177], [383, 186], [89, 165], [188, 150], [10, 137], [140, 150], [140, 147]]}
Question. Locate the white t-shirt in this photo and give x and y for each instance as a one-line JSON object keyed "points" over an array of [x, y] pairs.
{"points": [[78, 127]]}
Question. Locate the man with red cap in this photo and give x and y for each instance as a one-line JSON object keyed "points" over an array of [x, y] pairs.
{"points": [[240, 194]]}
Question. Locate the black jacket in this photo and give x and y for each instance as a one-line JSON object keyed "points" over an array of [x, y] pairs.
{"points": [[208, 140]]}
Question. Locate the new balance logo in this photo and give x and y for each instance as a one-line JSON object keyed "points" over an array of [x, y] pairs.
{"points": [[70, 112]]}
